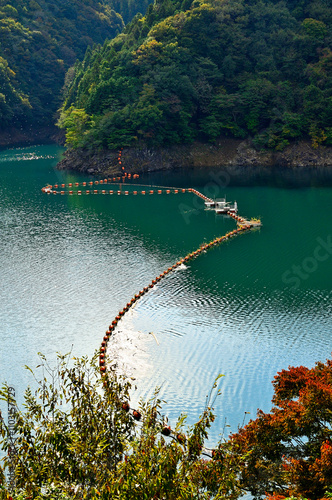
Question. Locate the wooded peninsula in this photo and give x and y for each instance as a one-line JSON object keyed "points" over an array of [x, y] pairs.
{"points": [[179, 73]]}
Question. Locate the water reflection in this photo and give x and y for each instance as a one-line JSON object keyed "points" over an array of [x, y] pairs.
{"points": [[213, 178]]}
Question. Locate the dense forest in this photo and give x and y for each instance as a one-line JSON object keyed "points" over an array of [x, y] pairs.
{"points": [[198, 69], [39, 42]]}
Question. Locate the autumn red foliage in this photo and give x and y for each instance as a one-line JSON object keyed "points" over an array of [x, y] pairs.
{"points": [[288, 452]]}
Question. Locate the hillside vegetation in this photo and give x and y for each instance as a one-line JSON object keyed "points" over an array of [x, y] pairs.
{"points": [[39, 41], [198, 69]]}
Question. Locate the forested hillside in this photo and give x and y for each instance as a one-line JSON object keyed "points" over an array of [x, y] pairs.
{"points": [[39, 41], [198, 69]]}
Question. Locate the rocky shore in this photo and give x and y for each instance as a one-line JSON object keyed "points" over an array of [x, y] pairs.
{"points": [[233, 154]]}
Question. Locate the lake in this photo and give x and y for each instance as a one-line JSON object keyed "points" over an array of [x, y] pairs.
{"points": [[247, 309]]}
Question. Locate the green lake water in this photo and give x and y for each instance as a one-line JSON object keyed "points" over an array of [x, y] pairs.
{"points": [[247, 308]]}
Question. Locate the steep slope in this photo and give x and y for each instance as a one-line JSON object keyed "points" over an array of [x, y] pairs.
{"points": [[39, 41], [200, 69]]}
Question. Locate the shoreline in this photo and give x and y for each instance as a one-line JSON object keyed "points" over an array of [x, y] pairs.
{"points": [[224, 153], [297, 164], [236, 157]]}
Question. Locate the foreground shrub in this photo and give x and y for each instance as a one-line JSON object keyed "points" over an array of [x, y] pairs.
{"points": [[78, 438]]}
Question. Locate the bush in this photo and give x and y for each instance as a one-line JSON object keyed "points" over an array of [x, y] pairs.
{"points": [[78, 438]]}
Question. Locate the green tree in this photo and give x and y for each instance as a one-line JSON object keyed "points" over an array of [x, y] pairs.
{"points": [[77, 123], [78, 438]]}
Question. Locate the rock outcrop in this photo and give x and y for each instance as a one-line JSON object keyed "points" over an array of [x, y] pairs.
{"points": [[233, 154]]}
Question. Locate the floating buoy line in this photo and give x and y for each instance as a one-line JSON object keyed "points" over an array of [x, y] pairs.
{"points": [[243, 225]]}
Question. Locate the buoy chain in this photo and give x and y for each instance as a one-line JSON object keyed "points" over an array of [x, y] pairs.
{"points": [[242, 226], [167, 431], [49, 189], [192, 255]]}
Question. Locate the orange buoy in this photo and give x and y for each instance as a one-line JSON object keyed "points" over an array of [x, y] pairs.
{"points": [[134, 192], [143, 192], [84, 184], [56, 186], [181, 438], [101, 181], [76, 184], [95, 191], [136, 415], [126, 192], [62, 192], [125, 406], [176, 191], [159, 191], [90, 183], [167, 191], [96, 182], [183, 190], [79, 192], [151, 191]]}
